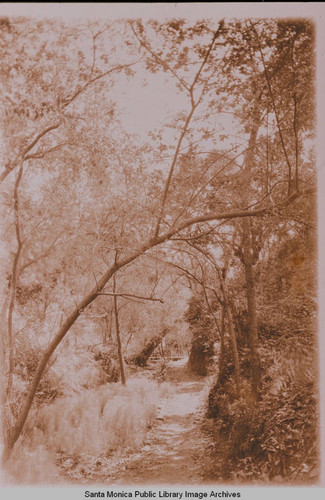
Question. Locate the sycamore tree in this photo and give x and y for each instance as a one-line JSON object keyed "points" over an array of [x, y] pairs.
{"points": [[114, 198], [274, 89]]}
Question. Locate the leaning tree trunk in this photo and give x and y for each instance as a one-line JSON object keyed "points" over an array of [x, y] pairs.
{"points": [[143, 356], [88, 299], [118, 336]]}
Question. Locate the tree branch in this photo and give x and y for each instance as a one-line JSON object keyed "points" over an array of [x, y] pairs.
{"points": [[275, 109], [68, 100], [183, 133], [29, 147], [130, 295], [64, 103], [14, 281], [158, 59], [41, 154], [93, 294], [206, 57]]}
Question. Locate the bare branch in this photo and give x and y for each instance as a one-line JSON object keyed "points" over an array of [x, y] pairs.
{"points": [[41, 154], [183, 133], [130, 295], [206, 57], [275, 109], [172, 168], [68, 100], [39, 137], [29, 147]]}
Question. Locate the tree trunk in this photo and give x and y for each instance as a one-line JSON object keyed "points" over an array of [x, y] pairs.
{"points": [[118, 337], [226, 312], [91, 296], [13, 284], [233, 341], [255, 363], [221, 361], [247, 255], [141, 359], [6, 415]]}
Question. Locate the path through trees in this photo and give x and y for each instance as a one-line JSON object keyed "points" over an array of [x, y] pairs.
{"points": [[197, 235], [173, 450]]}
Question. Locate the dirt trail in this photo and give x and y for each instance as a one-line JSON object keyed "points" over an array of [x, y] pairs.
{"points": [[174, 449]]}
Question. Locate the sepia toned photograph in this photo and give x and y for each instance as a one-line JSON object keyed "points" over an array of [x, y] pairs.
{"points": [[159, 248]]}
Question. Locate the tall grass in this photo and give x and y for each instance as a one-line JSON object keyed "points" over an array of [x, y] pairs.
{"points": [[109, 419], [31, 466]]}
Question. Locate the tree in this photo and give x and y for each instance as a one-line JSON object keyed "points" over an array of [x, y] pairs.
{"points": [[135, 209]]}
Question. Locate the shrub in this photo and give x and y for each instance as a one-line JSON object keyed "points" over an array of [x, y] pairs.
{"points": [[201, 353], [101, 421], [105, 356], [274, 439], [202, 328], [27, 354]]}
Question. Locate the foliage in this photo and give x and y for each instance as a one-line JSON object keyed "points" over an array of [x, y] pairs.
{"points": [[93, 202], [222, 391], [87, 369], [94, 423], [108, 362], [276, 438], [202, 330], [292, 283], [28, 351]]}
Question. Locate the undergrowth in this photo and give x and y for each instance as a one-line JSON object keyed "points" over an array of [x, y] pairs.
{"points": [[274, 439], [100, 422]]}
